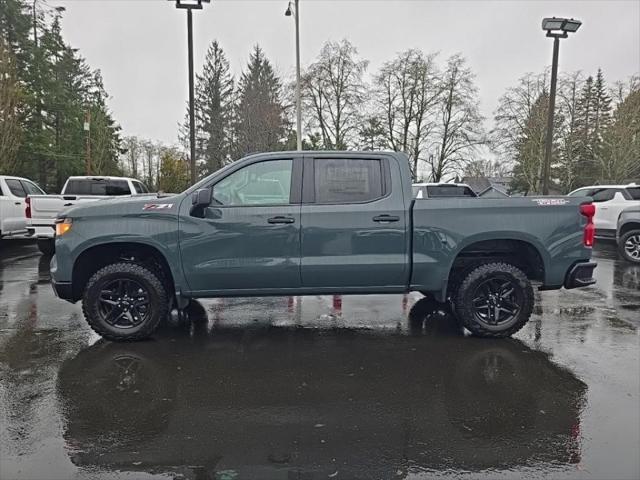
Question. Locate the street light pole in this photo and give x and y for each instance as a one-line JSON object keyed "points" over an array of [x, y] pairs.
{"points": [[556, 28], [296, 14], [190, 5], [550, 117], [192, 114]]}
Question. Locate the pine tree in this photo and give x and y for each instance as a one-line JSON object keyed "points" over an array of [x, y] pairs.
{"points": [[259, 119]]}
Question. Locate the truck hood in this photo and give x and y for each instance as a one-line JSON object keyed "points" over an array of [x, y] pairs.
{"points": [[129, 205]]}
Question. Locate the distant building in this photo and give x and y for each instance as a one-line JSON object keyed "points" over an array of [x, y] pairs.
{"points": [[493, 191], [481, 184]]}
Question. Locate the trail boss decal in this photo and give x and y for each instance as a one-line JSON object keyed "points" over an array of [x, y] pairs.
{"points": [[547, 202], [157, 206]]}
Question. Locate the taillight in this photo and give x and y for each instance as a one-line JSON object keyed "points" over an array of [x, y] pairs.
{"points": [[588, 210], [27, 210]]}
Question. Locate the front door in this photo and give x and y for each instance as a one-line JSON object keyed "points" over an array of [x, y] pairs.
{"points": [[354, 223], [248, 239]]}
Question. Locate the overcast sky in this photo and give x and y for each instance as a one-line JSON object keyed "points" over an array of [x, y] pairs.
{"points": [[140, 45]]}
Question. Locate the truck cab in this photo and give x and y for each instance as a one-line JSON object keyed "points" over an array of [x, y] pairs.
{"points": [[13, 192]]}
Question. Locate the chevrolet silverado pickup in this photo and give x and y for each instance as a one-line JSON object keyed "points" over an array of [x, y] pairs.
{"points": [[311, 223]]}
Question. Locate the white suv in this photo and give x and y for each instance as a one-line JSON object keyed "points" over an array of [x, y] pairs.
{"points": [[610, 201]]}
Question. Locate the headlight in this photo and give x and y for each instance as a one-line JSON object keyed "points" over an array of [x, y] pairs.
{"points": [[63, 225]]}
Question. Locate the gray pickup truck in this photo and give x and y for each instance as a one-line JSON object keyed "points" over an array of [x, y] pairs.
{"points": [[310, 223]]}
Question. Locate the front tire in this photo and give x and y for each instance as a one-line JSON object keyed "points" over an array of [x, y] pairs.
{"points": [[629, 246], [47, 246], [124, 302], [494, 300]]}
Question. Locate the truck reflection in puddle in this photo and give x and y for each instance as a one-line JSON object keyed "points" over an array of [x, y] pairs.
{"points": [[313, 403]]}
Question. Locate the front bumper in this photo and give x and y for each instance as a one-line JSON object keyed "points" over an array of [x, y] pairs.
{"points": [[580, 275], [63, 290]]}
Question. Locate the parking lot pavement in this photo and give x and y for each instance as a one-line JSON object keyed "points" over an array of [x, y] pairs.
{"points": [[320, 387]]}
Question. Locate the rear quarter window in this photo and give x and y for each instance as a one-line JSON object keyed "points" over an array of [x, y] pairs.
{"points": [[347, 181]]}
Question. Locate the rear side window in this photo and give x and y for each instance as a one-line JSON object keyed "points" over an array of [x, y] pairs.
{"points": [[347, 181], [634, 193], [31, 188], [436, 191], [603, 194], [97, 187], [585, 192], [16, 187]]}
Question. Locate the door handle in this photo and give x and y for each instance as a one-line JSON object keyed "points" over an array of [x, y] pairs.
{"points": [[67, 204], [386, 218], [17, 203], [281, 220]]}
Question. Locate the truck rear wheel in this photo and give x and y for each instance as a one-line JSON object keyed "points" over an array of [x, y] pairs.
{"points": [[124, 302], [494, 300]]}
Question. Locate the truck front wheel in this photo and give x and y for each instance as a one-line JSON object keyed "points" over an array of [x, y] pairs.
{"points": [[494, 300], [124, 302]]}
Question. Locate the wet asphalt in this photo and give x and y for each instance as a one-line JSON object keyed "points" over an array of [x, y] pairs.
{"points": [[362, 387]]}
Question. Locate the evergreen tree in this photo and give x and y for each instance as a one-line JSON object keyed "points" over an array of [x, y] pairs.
{"points": [[214, 103], [260, 118], [620, 161]]}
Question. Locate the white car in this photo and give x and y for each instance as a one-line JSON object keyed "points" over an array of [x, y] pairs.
{"points": [[13, 191], [610, 201]]}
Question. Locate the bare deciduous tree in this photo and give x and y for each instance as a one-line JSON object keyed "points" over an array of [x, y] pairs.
{"points": [[459, 127], [407, 90], [333, 92]]}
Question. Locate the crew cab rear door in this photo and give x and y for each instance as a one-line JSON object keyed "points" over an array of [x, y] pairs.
{"points": [[354, 223]]}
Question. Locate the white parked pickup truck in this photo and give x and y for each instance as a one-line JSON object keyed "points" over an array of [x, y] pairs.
{"points": [[13, 191], [42, 210]]}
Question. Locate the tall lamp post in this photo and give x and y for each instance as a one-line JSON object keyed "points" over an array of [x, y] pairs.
{"points": [[556, 28], [295, 11], [189, 6]]}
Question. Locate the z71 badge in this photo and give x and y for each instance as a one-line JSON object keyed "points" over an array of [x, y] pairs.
{"points": [[157, 206], [546, 202]]}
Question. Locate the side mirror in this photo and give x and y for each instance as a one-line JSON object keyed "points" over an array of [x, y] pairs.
{"points": [[201, 198]]}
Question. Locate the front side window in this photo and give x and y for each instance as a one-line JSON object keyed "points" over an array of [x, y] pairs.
{"points": [[263, 183], [347, 181], [16, 188]]}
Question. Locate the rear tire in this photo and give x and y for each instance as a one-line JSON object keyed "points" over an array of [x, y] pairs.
{"points": [[124, 302], [494, 300], [47, 246], [629, 246]]}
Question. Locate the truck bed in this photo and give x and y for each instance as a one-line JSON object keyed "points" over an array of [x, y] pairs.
{"points": [[445, 228]]}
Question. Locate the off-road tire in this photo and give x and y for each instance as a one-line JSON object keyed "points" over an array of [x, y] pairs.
{"points": [[463, 299], [47, 246], [621, 246], [158, 301]]}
